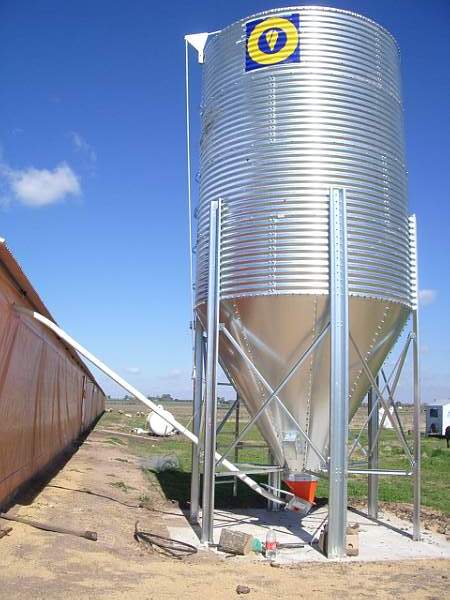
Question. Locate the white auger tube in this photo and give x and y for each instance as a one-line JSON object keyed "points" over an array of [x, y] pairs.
{"points": [[137, 394]]}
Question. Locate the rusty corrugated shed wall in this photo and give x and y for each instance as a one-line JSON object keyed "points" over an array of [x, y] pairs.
{"points": [[47, 394]]}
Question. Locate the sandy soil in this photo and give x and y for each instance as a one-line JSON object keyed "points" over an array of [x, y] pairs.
{"points": [[37, 564]]}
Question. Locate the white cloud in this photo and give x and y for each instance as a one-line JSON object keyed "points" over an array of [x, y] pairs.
{"points": [[133, 370], [81, 145], [427, 296], [41, 187]]}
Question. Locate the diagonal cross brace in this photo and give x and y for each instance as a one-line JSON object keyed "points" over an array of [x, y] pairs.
{"points": [[397, 371], [391, 394], [383, 401], [227, 416], [273, 392], [401, 362]]}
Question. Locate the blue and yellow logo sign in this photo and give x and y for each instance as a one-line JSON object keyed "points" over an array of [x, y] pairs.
{"points": [[272, 41]]}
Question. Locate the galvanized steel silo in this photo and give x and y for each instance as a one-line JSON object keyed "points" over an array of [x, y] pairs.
{"points": [[276, 135]]}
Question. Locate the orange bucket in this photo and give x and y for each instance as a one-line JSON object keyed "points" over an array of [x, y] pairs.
{"points": [[303, 489]]}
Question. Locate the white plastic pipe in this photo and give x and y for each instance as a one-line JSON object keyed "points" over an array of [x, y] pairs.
{"points": [[137, 394]]}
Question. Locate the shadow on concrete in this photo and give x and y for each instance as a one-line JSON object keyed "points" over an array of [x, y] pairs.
{"points": [[176, 487], [382, 523]]}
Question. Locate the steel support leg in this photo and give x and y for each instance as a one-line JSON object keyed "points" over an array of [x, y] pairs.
{"points": [[417, 411], [237, 426], [209, 469], [274, 482], [372, 430], [416, 373], [196, 421], [338, 435]]}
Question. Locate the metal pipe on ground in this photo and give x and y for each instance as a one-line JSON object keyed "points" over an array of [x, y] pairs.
{"points": [[87, 535], [137, 394]]}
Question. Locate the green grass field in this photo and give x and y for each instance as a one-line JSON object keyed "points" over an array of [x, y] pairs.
{"points": [[175, 484]]}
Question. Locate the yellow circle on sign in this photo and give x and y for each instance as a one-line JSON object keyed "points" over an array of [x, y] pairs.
{"points": [[289, 29]]}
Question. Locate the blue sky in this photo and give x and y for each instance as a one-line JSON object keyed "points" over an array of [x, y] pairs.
{"points": [[92, 168]]}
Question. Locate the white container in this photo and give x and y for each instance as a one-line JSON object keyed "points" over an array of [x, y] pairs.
{"points": [[271, 544], [438, 419], [157, 425], [387, 423]]}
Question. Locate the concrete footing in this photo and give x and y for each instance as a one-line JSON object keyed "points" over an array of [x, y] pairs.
{"points": [[386, 539]]}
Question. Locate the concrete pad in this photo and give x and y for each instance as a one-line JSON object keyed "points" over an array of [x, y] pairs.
{"points": [[388, 540]]}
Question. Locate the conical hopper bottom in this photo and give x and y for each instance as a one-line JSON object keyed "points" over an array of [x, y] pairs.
{"points": [[274, 331]]}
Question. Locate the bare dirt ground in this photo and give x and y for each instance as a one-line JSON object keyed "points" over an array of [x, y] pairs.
{"points": [[37, 564]]}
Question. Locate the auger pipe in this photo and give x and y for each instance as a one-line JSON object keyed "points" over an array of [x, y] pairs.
{"points": [[137, 394]]}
